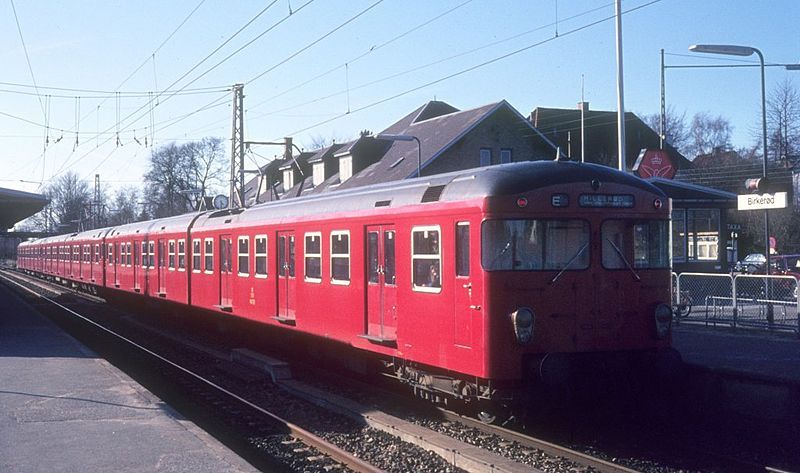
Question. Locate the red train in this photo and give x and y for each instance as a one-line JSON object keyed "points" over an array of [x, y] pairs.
{"points": [[467, 285]]}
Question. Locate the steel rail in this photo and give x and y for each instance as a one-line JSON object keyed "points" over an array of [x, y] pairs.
{"points": [[296, 431]]}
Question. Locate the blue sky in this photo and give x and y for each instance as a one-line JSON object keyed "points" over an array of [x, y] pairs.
{"points": [[384, 63]]}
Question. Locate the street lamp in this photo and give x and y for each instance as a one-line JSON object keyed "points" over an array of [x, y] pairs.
{"points": [[732, 50], [392, 137]]}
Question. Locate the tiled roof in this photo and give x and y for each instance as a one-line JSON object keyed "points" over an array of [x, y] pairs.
{"points": [[436, 135]]}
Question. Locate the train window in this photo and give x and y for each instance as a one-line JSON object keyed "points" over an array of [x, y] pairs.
{"points": [[261, 256], [244, 256], [128, 254], [162, 254], [313, 257], [171, 254], [388, 258], [97, 253], [151, 251], [372, 262], [181, 255], [111, 253], [196, 255], [225, 255], [208, 255], [426, 259], [462, 249], [640, 244], [286, 258], [340, 257], [135, 252], [534, 245]]}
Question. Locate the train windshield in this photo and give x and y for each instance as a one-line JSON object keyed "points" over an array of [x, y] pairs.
{"points": [[534, 245], [635, 244]]}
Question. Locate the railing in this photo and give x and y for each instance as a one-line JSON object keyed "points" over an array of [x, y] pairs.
{"points": [[741, 300]]}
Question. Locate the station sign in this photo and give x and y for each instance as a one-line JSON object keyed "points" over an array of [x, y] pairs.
{"points": [[762, 201]]}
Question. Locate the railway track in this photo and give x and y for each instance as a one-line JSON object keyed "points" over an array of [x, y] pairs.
{"points": [[208, 389], [548, 457]]}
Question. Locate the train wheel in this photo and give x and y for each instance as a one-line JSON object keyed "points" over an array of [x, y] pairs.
{"points": [[487, 417]]}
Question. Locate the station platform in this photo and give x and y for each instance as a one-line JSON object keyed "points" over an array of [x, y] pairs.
{"points": [[759, 355], [64, 409]]}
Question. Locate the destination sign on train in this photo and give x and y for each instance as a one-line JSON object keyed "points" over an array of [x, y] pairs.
{"points": [[762, 201], [606, 200]]}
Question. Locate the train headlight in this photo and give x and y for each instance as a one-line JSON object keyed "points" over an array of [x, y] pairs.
{"points": [[663, 320], [522, 319]]}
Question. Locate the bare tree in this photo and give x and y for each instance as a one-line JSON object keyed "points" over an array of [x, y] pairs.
{"points": [[674, 127], [209, 163], [783, 122], [69, 197], [126, 207], [319, 141], [178, 171], [708, 132]]}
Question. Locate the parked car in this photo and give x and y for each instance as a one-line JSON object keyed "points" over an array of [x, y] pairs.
{"points": [[752, 263], [788, 265]]}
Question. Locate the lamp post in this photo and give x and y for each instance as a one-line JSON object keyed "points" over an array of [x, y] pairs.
{"points": [[392, 137], [731, 50], [663, 121]]}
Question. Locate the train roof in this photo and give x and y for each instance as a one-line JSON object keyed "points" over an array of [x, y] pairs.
{"points": [[177, 223], [504, 179]]}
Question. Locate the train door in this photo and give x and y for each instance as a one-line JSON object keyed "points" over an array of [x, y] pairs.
{"points": [[136, 269], [113, 259], [162, 268], [148, 247], [467, 289], [287, 282], [225, 272], [95, 257], [381, 284]]}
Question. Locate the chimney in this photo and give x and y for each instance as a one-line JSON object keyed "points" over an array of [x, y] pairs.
{"points": [[583, 106]]}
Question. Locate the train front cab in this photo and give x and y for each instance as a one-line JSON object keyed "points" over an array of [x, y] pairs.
{"points": [[577, 277]]}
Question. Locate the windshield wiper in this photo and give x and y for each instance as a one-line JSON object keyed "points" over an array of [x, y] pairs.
{"points": [[580, 251], [502, 252], [619, 252]]}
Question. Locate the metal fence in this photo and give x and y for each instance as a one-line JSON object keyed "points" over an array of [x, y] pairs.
{"points": [[737, 300]]}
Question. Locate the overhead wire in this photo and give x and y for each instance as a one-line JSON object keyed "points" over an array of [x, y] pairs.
{"points": [[163, 43], [364, 54], [27, 57], [156, 97], [104, 93], [109, 95], [316, 41], [420, 67], [474, 67], [351, 61]]}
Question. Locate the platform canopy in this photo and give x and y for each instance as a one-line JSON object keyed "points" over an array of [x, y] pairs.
{"points": [[17, 205]]}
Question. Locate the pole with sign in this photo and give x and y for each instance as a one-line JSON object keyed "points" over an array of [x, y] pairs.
{"points": [[776, 200]]}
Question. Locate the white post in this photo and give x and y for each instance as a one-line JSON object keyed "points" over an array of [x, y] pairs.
{"points": [[620, 92]]}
